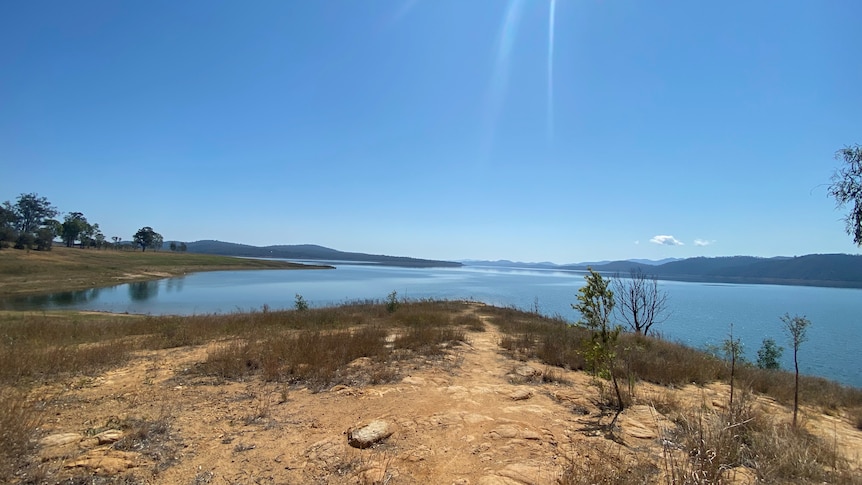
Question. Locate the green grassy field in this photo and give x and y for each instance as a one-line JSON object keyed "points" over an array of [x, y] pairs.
{"points": [[68, 269]]}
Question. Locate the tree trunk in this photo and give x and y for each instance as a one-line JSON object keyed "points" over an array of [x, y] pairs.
{"points": [[619, 398], [795, 388]]}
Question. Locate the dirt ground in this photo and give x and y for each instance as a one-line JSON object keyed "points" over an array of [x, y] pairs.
{"points": [[474, 417]]}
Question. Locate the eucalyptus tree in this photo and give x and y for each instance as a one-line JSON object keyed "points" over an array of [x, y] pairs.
{"points": [[796, 328], [74, 226], [146, 237], [596, 305], [31, 211], [846, 188]]}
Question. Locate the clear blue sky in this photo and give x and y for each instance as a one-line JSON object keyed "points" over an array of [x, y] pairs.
{"points": [[439, 128]]}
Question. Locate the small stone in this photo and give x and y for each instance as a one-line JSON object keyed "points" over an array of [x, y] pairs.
{"points": [[109, 436], [526, 371], [521, 395], [366, 436]]}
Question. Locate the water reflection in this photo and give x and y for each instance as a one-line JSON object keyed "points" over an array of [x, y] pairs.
{"points": [[60, 299], [175, 284], [143, 290]]}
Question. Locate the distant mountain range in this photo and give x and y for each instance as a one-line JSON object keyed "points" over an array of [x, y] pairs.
{"points": [[835, 270], [311, 252], [505, 263]]}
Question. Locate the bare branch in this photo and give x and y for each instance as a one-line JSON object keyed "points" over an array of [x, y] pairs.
{"points": [[639, 301]]}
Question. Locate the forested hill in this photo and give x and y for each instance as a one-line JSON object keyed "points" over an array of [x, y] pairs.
{"points": [[310, 252], [838, 270]]}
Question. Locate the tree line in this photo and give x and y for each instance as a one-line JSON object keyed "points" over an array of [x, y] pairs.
{"points": [[30, 223]]}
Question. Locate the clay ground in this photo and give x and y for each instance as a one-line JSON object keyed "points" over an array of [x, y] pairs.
{"points": [[473, 417]]}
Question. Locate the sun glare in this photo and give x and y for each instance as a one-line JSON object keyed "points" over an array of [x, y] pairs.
{"points": [[551, 16], [502, 67]]}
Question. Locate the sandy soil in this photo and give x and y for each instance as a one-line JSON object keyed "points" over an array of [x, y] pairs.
{"points": [[475, 417]]}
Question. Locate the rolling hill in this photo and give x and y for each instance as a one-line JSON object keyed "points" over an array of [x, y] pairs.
{"points": [[311, 252], [837, 270]]}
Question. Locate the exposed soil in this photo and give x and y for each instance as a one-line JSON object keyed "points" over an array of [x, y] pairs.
{"points": [[473, 417]]}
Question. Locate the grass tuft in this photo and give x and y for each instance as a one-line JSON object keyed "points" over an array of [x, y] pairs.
{"points": [[18, 422]]}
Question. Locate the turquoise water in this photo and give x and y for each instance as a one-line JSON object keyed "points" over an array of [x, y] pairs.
{"points": [[700, 313]]}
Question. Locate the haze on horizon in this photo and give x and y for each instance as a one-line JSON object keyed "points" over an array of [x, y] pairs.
{"points": [[528, 130]]}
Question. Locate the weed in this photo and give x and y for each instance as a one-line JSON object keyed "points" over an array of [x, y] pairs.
{"points": [[855, 415], [392, 302], [240, 447], [18, 422], [300, 304], [615, 467]]}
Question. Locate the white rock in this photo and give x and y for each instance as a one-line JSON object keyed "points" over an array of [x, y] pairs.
{"points": [[373, 432]]}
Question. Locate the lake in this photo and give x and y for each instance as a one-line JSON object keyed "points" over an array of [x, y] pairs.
{"points": [[700, 313]]}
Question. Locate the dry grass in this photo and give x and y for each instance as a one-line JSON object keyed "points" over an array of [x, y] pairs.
{"points": [[707, 446], [855, 415], [711, 446], [18, 420], [611, 466], [311, 348], [362, 343], [314, 358], [556, 343]]}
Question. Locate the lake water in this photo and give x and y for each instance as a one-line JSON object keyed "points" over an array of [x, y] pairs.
{"points": [[701, 313]]}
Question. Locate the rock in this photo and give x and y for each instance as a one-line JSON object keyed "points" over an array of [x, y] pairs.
{"points": [[109, 462], [345, 390], [373, 432], [59, 439], [521, 394], [473, 418], [526, 474], [526, 371], [506, 431], [641, 421], [637, 430], [109, 436], [59, 445], [454, 418], [360, 362]]}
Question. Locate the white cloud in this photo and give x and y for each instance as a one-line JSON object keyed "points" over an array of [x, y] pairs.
{"points": [[666, 241], [702, 242], [637, 242]]}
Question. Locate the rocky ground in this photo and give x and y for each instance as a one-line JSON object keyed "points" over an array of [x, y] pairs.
{"points": [[473, 417]]}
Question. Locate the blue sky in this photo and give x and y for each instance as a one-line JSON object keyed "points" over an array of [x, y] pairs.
{"points": [[439, 128]]}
